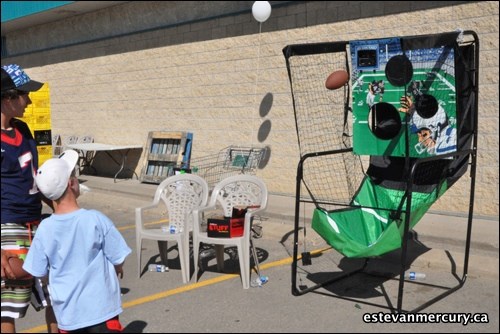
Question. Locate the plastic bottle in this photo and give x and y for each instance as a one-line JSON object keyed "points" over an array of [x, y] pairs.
{"points": [[210, 252], [161, 268], [259, 281], [172, 229], [413, 276]]}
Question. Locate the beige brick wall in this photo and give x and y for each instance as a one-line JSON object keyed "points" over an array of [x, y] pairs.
{"points": [[179, 78]]}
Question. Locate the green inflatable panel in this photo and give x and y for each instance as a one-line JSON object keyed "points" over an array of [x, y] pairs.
{"points": [[367, 229]]}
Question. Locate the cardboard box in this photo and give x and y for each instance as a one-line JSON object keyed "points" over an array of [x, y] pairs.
{"points": [[225, 227]]}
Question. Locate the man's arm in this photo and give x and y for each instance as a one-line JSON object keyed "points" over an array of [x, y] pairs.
{"points": [[119, 270]]}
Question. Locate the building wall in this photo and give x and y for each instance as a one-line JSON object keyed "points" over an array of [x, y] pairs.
{"points": [[218, 73]]}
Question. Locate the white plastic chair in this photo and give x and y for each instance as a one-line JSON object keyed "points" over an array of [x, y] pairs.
{"points": [[237, 190], [69, 140], [181, 194], [86, 157], [56, 145], [85, 139]]}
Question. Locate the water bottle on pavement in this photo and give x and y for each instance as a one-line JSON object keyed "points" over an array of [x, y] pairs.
{"points": [[161, 268], [414, 276], [259, 281]]}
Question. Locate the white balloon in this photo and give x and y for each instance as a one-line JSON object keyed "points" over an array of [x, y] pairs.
{"points": [[261, 10]]}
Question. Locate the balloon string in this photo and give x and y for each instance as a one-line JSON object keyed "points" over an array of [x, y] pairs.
{"points": [[256, 82]]}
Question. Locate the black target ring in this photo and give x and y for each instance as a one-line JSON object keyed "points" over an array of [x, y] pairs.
{"points": [[399, 70]]}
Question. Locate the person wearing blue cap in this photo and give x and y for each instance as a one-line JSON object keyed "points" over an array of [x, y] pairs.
{"points": [[21, 201]]}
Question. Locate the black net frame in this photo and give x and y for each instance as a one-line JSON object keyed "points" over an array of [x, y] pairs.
{"points": [[334, 147]]}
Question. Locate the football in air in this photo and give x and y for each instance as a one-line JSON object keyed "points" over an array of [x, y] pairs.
{"points": [[337, 79]]}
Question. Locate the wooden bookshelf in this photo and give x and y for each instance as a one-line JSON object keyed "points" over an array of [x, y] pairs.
{"points": [[165, 151]]}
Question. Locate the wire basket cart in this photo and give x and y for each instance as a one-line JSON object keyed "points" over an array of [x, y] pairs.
{"points": [[229, 161]]}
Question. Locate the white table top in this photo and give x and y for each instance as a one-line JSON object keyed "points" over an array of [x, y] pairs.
{"points": [[101, 147]]}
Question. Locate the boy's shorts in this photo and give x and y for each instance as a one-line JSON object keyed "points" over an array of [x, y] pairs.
{"points": [[112, 325], [16, 297]]}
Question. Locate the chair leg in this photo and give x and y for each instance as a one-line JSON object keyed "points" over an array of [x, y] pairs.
{"points": [[242, 255], [196, 251], [182, 260], [247, 264], [138, 245], [187, 260]]}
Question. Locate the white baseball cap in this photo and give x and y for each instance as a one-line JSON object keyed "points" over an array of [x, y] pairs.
{"points": [[53, 176]]}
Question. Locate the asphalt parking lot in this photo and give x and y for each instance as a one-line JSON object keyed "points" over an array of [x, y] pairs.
{"points": [[160, 302]]}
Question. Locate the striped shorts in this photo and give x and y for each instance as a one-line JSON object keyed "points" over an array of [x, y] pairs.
{"points": [[16, 298]]}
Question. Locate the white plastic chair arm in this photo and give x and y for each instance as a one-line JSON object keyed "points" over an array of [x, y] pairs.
{"points": [[203, 209], [139, 213], [146, 207]]}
